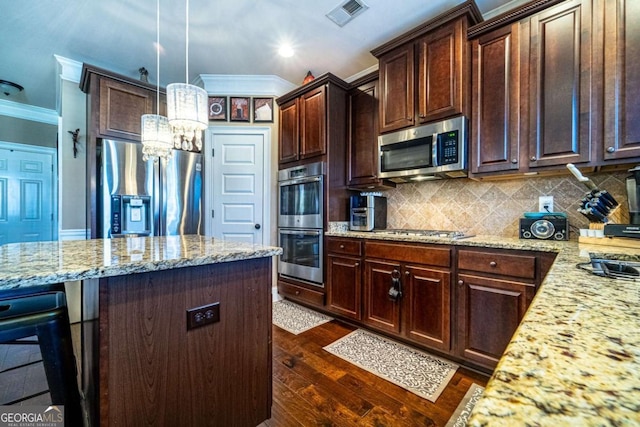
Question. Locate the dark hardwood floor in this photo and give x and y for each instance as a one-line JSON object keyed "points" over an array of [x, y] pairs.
{"points": [[311, 387]]}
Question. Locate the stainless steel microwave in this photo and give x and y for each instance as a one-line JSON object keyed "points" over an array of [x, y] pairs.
{"points": [[431, 151]]}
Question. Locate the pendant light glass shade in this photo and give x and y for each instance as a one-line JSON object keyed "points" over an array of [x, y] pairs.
{"points": [[187, 114], [156, 136], [157, 139]]}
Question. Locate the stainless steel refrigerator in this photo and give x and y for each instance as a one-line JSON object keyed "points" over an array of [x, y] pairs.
{"points": [[145, 198]]}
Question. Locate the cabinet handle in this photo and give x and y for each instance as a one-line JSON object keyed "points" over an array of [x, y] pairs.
{"points": [[341, 246], [610, 149], [408, 118], [533, 158], [460, 282], [493, 264], [422, 116], [514, 161]]}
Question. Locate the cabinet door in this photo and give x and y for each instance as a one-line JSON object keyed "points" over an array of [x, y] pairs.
{"points": [[288, 132], [121, 108], [495, 124], [621, 79], [559, 84], [379, 310], [363, 134], [313, 123], [440, 74], [489, 311], [427, 309], [344, 286], [397, 77]]}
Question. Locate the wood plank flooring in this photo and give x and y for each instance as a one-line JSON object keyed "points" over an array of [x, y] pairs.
{"points": [[311, 387]]}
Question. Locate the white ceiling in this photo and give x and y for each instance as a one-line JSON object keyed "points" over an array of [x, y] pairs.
{"points": [[238, 37]]}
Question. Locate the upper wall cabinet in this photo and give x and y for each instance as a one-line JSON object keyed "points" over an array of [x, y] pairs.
{"points": [[557, 47], [621, 80], [309, 117], [552, 84], [117, 103], [424, 74]]}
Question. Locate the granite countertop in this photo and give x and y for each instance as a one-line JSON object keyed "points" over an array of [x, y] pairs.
{"points": [[575, 358], [38, 263]]}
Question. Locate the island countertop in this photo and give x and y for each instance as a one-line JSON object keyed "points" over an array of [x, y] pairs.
{"points": [[39, 263], [575, 358]]}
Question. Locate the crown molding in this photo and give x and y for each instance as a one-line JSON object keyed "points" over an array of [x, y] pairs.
{"points": [[28, 112], [225, 84], [362, 73], [68, 69]]}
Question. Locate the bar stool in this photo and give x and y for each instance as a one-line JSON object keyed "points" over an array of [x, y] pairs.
{"points": [[42, 311]]}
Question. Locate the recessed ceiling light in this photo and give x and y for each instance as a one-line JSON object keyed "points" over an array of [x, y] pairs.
{"points": [[285, 51]]}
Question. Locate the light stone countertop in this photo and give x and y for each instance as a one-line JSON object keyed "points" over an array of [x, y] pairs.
{"points": [[575, 358], [39, 263]]}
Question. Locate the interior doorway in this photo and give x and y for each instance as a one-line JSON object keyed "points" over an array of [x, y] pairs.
{"points": [[237, 182], [28, 194]]}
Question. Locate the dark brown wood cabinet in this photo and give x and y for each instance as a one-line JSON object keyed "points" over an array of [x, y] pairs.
{"points": [[363, 130], [494, 290], [344, 277], [424, 74], [557, 47], [115, 105], [310, 118], [495, 122], [421, 274], [621, 80]]}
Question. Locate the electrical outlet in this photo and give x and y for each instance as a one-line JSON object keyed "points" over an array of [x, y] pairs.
{"points": [[545, 204], [204, 315]]}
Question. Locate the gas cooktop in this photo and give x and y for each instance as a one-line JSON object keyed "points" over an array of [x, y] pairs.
{"points": [[426, 233]]}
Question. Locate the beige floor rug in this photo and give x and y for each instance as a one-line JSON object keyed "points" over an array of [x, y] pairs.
{"points": [[407, 367], [295, 318], [462, 412]]}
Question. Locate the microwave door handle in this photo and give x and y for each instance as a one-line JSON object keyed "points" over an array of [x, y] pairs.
{"points": [[435, 151]]}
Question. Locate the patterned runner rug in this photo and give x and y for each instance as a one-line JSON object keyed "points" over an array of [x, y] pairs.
{"points": [[295, 318], [409, 368], [462, 412]]}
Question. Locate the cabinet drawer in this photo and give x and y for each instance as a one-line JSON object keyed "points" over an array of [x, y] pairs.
{"points": [[503, 263], [344, 247], [421, 254], [301, 294]]}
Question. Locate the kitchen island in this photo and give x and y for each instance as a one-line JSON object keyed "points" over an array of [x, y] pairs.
{"points": [[184, 329], [575, 358]]}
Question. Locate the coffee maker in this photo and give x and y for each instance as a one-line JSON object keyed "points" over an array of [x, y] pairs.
{"points": [[633, 195]]}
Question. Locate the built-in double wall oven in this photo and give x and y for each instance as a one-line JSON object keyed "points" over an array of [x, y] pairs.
{"points": [[301, 222]]}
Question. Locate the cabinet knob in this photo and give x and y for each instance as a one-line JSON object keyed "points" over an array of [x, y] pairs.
{"points": [[460, 282], [297, 292], [422, 116], [356, 264], [408, 118], [407, 273], [533, 158], [341, 246], [514, 161], [610, 149], [493, 264]]}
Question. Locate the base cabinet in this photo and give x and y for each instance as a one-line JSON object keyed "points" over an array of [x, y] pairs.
{"points": [[344, 277], [489, 311], [407, 291]]}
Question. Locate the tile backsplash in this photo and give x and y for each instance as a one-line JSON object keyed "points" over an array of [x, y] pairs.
{"points": [[495, 207]]}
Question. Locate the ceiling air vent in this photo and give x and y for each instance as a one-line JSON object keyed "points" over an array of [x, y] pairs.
{"points": [[346, 11]]}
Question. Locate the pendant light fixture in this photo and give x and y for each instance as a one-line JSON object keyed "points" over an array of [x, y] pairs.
{"points": [[156, 132], [187, 106]]}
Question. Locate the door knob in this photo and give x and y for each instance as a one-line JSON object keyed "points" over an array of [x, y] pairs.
{"points": [[257, 226]]}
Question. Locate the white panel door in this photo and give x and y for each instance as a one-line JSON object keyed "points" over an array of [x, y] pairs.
{"points": [[26, 194], [237, 178]]}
